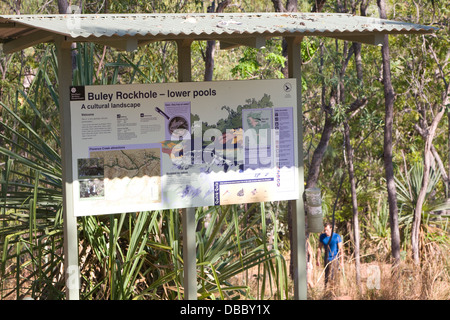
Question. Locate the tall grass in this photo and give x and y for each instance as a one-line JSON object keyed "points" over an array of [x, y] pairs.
{"points": [[428, 281]]}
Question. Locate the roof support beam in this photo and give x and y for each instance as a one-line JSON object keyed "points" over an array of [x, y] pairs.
{"points": [[184, 60], [128, 45], [257, 43], [373, 39], [8, 25], [27, 41]]}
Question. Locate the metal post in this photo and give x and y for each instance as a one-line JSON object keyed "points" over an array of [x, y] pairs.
{"points": [[189, 254], [298, 217], [188, 215], [71, 268]]}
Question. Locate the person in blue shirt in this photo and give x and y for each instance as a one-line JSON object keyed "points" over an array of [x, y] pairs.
{"points": [[334, 254]]}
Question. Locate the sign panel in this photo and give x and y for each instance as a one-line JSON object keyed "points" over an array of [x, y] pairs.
{"points": [[176, 145]]}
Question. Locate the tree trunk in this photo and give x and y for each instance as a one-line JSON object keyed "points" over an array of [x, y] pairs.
{"points": [[316, 160], [318, 5], [427, 156], [389, 97], [424, 132], [211, 44], [351, 175], [448, 150], [356, 230], [314, 167], [278, 6], [291, 6], [62, 6], [209, 54]]}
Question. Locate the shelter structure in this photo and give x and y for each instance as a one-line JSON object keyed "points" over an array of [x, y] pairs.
{"points": [[130, 31]]}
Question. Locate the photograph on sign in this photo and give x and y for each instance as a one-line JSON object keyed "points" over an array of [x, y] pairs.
{"points": [[177, 145]]}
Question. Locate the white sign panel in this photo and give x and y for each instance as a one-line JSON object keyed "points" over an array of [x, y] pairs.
{"points": [[176, 145]]}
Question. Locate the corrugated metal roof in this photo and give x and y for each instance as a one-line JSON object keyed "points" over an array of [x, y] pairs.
{"points": [[156, 27]]}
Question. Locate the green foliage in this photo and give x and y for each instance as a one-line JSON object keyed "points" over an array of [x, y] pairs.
{"points": [[408, 187], [260, 63], [309, 47], [31, 198], [376, 227]]}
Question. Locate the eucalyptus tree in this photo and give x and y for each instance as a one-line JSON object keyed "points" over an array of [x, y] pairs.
{"points": [[208, 56], [425, 86], [389, 97]]}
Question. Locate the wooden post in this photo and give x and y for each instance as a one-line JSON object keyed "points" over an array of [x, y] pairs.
{"points": [[188, 215], [298, 217], [71, 268]]}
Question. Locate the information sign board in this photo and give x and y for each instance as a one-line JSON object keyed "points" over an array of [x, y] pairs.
{"points": [[177, 145]]}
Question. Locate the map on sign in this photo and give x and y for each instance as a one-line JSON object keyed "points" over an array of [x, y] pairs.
{"points": [[131, 174], [178, 145]]}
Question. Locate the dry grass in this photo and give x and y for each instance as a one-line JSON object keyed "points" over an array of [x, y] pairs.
{"points": [[429, 281]]}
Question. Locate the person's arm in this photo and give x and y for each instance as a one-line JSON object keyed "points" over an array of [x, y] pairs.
{"points": [[319, 249], [309, 250]]}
